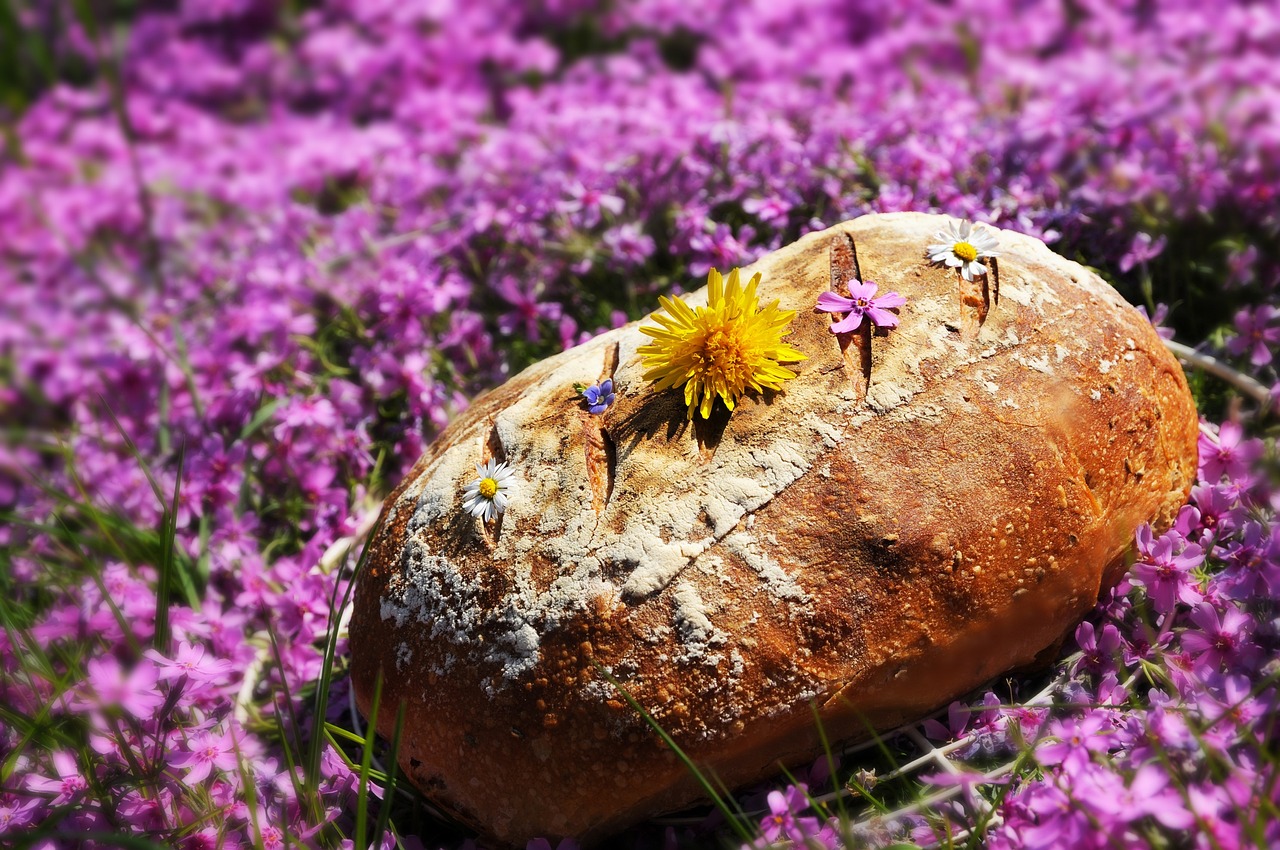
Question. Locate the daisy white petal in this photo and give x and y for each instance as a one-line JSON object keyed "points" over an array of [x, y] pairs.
{"points": [[491, 492], [963, 247]]}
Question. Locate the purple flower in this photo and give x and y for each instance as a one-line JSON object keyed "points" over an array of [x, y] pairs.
{"points": [[66, 786], [207, 751], [629, 244], [1075, 739], [1257, 334], [588, 204], [1142, 250], [1221, 638], [781, 823], [861, 302], [16, 813], [1253, 563], [1147, 794], [599, 396], [1231, 707], [1165, 569], [1100, 650], [1230, 454], [108, 687], [1220, 512], [193, 662], [529, 308], [1157, 320], [771, 210]]}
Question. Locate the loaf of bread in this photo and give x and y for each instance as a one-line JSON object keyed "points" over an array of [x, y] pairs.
{"points": [[919, 510]]}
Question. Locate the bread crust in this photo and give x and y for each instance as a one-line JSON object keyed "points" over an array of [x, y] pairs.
{"points": [[869, 549]]}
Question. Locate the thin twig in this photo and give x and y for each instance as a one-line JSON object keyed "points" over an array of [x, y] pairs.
{"points": [[1244, 383]]}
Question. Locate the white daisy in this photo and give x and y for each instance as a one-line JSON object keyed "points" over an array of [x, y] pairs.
{"points": [[487, 496], [961, 248]]}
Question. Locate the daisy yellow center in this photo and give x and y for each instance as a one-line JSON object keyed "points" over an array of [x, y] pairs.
{"points": [[488, 488], [721, 350], [965, 251]]}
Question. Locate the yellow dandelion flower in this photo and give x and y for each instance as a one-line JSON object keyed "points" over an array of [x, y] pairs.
{"points": [[723, 349]]}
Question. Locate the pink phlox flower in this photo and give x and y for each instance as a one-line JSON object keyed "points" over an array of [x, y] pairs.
{"points": [[304, 414], [1147, 794], [987, 733], [1025, 722], [1157, 320], [1253, 563], [205, 839], [1257, 334], [68, 784], [1139, 648], [338, 777], [16, 813], [1142, 250], [146, 814], [1231, 707], [719, 248], [1220, 511], [133, 593], [1100, 649], [769, 210], [861, 302], [782, 822], [1230, 454], [193, 662], [303, 614], [1167, 728], [1180, 666], [1054, 821], [108, 687], [1165, 569], [529, 307], [589, 204], [1221, 639], [630, 244], [188, 624], [1074, 740], [818, 773], [1111, 692], [1187, 523], [957, 722], [1216, 827], [207, 751]]}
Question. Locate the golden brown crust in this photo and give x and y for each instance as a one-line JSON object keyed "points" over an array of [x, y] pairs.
{"points": [[874, 549]]}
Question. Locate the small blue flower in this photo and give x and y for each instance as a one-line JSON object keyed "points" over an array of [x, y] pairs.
{"points": [[599, 396]]}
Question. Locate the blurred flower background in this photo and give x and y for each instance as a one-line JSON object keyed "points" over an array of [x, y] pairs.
{"points": [[255, 254]]}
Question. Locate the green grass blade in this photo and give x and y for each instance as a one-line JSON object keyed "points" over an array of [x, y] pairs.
{"points": [[366, 764], [393, 772], [731, 814]]}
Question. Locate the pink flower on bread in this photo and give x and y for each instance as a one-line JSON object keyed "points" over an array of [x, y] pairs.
{"points": [[862, 301]]}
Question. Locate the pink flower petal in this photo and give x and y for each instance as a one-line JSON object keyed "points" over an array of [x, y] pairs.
{"points": [[829, 302], [849, 323]]}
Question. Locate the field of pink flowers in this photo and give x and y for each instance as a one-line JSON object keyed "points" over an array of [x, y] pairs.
{"points": [[254, 254]]}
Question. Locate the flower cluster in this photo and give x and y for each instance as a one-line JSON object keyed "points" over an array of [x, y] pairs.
{"points": [[256, 255]]}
